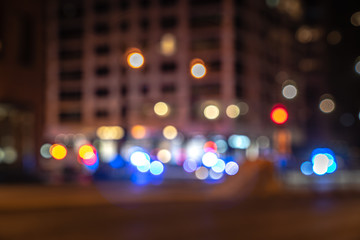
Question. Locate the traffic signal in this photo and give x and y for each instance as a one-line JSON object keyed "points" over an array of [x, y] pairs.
{"points": [[279, 114]]}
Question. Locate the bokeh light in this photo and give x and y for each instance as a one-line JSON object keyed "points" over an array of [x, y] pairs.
{"points": [[222, 146], [168, 44], [202, 173], [279, 115], [58, 151], [289, 91], [170, 132], [355, 19], [138, 132], [272, 3], [357, 67], [263, 142], [232, 111], [161, 109], [239, 141], [164, 155], [87, 155], [210, 146], [108, 151], [306, 168], [327, 105], [209, 159], [45, 150], [190, 165], [10, 155], [139, 158], [321, 163], [219, 167], [244, 108], [334, 37], [135, 59], [211, 112], [110, 132], [231, 168], [156, 168], [198, 69], [347, 119]]}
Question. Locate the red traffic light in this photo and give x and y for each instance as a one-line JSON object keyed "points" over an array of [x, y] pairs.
{"points": [[279, 114]]}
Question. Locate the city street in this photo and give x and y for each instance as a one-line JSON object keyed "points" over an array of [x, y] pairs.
{"points": [[75, 212]]}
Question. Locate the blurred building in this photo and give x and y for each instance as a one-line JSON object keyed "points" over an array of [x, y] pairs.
{"points": [[21, 86], [248, 47]]}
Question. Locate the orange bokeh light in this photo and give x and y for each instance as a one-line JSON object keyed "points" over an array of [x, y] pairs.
{"points": [[279, 115], [58, 151], [138, 131]]}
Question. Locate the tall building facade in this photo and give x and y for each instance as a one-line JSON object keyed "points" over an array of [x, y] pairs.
{"points": [[248, 47]]}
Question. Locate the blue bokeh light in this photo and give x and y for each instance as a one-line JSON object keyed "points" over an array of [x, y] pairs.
{"points": [[306, 168], [156, 168]]}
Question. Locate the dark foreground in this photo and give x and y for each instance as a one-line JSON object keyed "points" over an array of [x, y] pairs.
{"points": [[277, 216]]}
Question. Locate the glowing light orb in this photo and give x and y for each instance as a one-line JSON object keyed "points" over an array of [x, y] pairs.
{"points": [[289, 91], [202, 173], [222, 146], [164, 155], [231, 168], [144, 167], [306, 168], [198, 70], [219, 167], [138, 132], [190, 165], [232, 111], [156, 168], [135, 60], [110, 132], [279, 115], [58, 151], [355, 19], [334, 37], [239, 141], [168, 44], [209, 159], [327, 105], [210, 146], [211, 112], [170, 132], [161, 109], [357, 67], [139, 158], [45, 150], [321, 163]]}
